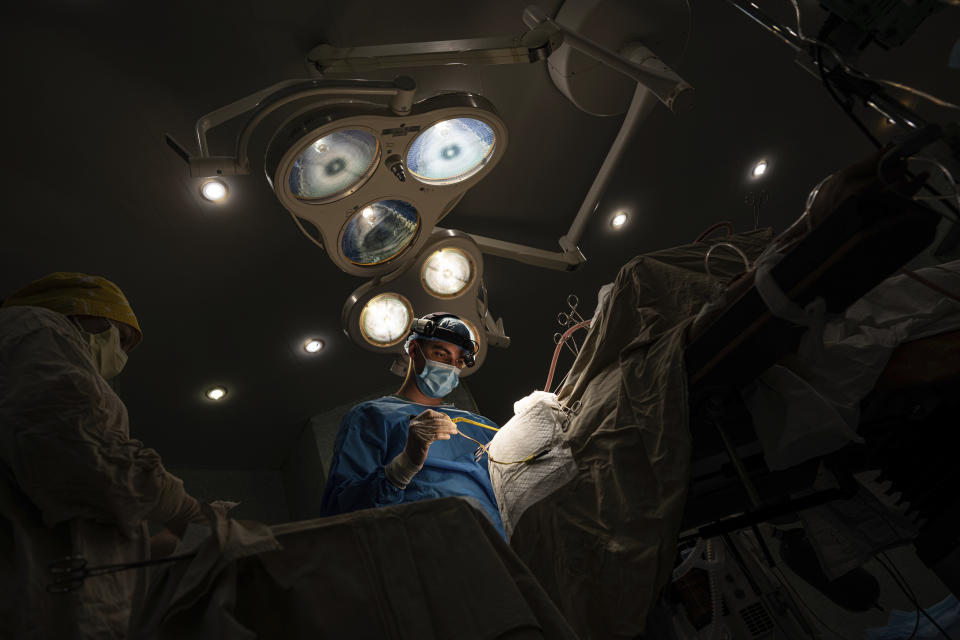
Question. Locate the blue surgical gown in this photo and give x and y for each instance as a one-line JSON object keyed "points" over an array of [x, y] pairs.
{"points": [[375, 432]]}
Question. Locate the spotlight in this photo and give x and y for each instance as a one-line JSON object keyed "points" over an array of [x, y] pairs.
{"points": [[447, 273], [386, 319], [380, 232], [619, 220], [451, 151], [334, 166], [213, 190], [216, 393], [313, 345], [759, 169]]}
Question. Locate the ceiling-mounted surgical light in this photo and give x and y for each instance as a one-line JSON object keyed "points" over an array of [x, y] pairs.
{"points": [[385, 320], [445, 276], [374, 183], [448, 272], [380, 232], [334, 166], [213, 190], [451, 151]]}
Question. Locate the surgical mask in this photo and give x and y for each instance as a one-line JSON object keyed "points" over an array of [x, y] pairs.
{"points": [[438, 379], [107, 352]]}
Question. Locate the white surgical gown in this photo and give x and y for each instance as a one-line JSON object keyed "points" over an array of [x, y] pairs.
{"points": [[72, 482]]}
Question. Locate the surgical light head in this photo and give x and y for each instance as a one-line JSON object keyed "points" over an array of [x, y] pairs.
{"points": [[335, 165], [373, 183], [448, 272], [451, 151]]}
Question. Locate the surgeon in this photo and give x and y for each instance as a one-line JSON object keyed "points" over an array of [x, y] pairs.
{"points": [[411, 446], [72, 481]]}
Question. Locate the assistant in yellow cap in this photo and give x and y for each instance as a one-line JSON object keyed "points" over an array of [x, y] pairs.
{"points": [[79, 294], [79, 485]]}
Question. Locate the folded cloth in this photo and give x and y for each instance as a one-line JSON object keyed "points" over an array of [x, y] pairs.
{"points": [[536, 429]]}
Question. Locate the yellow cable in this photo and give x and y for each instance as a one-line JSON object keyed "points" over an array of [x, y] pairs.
{"points": [[479, 424], [483, 446], [487, 451]]}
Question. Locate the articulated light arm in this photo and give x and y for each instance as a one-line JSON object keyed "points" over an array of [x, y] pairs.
{"points": [[570, 256], [530, 47], [267, 101], [544, 37]]}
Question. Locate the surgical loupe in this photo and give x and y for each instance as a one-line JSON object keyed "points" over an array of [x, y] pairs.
{"points": [[340, 167]]}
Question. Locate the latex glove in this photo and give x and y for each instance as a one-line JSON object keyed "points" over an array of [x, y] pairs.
{"points": [[424, 430]]}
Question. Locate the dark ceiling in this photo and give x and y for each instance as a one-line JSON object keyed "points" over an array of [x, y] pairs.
{"points": [[226, 294]]}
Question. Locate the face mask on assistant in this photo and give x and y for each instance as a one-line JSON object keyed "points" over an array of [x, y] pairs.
{"points": [[108, 355], [437, 379]]}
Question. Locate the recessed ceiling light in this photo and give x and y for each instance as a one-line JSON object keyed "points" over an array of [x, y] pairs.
{"points": [[213, 190], [619, 220], [759, 169], [216, 393], [313, 345]]}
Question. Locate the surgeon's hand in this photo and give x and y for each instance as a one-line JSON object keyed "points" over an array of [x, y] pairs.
{"points": [[425, 429]]}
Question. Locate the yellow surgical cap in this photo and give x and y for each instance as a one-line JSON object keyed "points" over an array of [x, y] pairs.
{"points": [[77, 294]]}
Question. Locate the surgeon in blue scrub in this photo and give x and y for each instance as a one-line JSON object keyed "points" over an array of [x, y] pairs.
{"points": [[408, 446]]}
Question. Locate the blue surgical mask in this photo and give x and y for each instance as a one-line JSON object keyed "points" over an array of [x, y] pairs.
{"points": [[438, 379]]}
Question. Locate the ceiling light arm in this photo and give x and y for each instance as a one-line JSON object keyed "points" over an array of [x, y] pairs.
{"points": [[558, 260], [265, 102], [531, 47], [640, 105], [544, 37], [571, 257], [658, 78]]}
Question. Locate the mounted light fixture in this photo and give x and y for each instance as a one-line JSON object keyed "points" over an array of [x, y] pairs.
{"points": [[385, 319], [367, 173], [339, 167], [448, 272], [444, 276]]}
